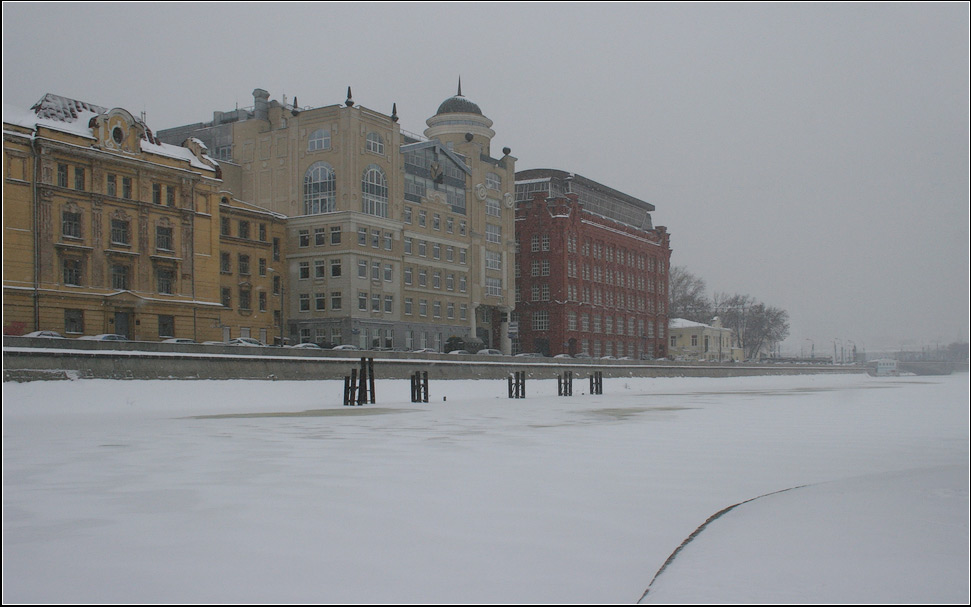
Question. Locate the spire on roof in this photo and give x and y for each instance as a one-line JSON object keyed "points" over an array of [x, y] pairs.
{"points": [[349, 101], [394, 112], [460, 88]]}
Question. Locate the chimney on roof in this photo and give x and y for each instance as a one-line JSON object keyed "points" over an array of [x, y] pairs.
{"points": [[261, 102]]}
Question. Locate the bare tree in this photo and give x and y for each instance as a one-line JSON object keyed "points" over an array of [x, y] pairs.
{"points": [[686, 295], [756, 325]]}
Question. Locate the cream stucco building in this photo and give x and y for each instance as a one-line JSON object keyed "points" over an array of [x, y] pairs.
{"points": [[392, 240], [691, 340]]}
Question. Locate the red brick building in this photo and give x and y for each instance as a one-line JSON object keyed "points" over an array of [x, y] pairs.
{"points": [[592, 270]]}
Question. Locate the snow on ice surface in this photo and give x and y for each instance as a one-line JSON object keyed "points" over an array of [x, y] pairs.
{"points": [[233, 491]]}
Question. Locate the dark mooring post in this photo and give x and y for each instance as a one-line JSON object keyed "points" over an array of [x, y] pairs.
{"points": [[517, 384], [419, 387], [350, 389], [564, 384], [597, 382]]}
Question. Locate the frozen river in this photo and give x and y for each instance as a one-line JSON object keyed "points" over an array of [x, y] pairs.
{"points": [[251, 491]]}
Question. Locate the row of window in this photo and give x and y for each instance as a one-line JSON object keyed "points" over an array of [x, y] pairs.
{"points": [[597, 250], [244, 301], [243, 266], [422, 250], [119, 276], [243, 229], [320, 190], [607, 298], [319, 140], [76, 179], [421, 220], [74, 323], [436, 279]]}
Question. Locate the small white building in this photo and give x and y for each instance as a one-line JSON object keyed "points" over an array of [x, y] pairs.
{"points": [[883, 366], [689, 340]]}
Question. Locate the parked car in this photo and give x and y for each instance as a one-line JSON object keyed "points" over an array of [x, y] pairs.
{"points": [[425, 351], [490, 352], [48, 334], [459, 352], [105, 337], [178, 340], [562, 356], [530, 355], [346, 347], [307, 345], [581, 355], [246, 341]]}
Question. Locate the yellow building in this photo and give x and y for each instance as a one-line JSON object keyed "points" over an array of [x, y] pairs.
{"points": [[109, 230], [393, 240], [691, 340]]}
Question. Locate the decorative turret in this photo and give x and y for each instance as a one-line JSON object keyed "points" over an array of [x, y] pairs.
{"points": [[458, 117]]}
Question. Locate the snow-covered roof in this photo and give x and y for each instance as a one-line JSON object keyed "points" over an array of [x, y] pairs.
{"points": [[72, 116], [683, 323]]}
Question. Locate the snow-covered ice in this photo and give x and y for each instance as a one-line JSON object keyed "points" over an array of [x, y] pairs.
{"points": [[253, 491]]}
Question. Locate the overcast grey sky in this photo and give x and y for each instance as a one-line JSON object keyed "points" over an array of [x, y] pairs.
{"points": [[814, 156]]}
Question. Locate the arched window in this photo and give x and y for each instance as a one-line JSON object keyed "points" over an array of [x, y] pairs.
{"points": [[319, 185], [375, 143], [319, 140], [374, 190]]}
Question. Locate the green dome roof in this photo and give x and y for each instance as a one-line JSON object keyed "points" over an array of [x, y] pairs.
{"points": [[458, 105]]}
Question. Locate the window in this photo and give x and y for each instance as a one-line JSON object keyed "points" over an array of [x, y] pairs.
{"points": [[493, 287], [335, 235], [376, 271], [243, 229], [534, 268], [545, 268], [227, 297], [388, 272], [276, 249], [262, 299], [422, 307], [493, 260], [362, 237], [422, 278], [225, 265], [422, 248], [262, 265], [546, 242], [407, 245], [157, 193], [318, 140], [303, 269], [165, 279], [376, 239], [62, 175], [409, 303], [462, 256], [119, 232], [163, 238], [422, 218], [320, 237], [170, 196], [493, 181], [112, 185], [335, 268], [408, 275], [224, 226], [407, 215], [436, 222], [375, 302], [78, 178], [242, 262], [72, 271], [437, 280], [335, 301], [541, 321], [320, 269], [362, 268], [362, 298], [493, 208], [463, 283], [374, 190], [319, 187], [320, 301], [71, 224], [276, 285], [375, 143], [304, 302], [126, 187], [437, 309], [74, 321], [119, 277], [436, 251], [493, 233], [450, 282], [462, 227], [450, 311], [387, 241]]}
